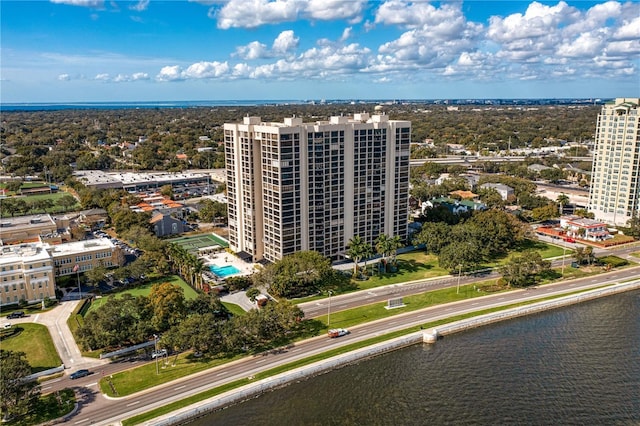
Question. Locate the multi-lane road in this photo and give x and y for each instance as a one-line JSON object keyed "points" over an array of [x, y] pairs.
{"points": [[98, 410]]}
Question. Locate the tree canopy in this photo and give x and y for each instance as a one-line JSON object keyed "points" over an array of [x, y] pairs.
{"points": [[17, 395]]}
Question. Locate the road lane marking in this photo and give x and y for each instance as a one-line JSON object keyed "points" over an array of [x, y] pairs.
{"points": [[474, 304], [81, 421], [180, 387], [222, 374], [93, 384], [259, 361], [46, 387], [133, 403], [502, 298]]}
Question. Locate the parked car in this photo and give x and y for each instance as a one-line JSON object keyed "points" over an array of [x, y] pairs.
{"points": [[159, 353], [15, 314], [79, 374], [6, 325]]}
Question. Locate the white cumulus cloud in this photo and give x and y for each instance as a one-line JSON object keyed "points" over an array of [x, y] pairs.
{"points": [[285, 42], [142, 5], [586, 45], [64, 77], [347, 33], [253, 50], [329, 10], [536, 22], [170, 73], [254, 13], [204, 69], [84, 3], [140, 76]]}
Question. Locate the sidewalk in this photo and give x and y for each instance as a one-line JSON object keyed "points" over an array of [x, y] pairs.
{"points": [[56, 321], [239, 298]]}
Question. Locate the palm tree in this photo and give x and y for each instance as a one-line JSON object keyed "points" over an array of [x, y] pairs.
{"points": [[197, 267], [393, 245], [367, 252], [382, 247], [563, 200], [355, 251]]}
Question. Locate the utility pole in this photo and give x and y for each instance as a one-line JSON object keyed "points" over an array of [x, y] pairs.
{"points": [[329, 310]]}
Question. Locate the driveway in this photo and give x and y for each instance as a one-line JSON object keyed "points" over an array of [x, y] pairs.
{"points": [[56, 321], [239, 298]]}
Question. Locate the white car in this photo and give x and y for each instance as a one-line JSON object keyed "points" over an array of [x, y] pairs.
{"points": [[159, 354], [338, 332]]}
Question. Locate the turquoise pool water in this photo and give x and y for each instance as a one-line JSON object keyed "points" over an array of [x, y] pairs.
{"points": [[224, 271]]}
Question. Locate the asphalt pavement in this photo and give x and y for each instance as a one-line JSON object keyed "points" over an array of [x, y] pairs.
{"points": [[56, 321]]}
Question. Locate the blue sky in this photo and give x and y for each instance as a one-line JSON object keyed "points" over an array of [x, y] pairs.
{"points": [[148, 50]]}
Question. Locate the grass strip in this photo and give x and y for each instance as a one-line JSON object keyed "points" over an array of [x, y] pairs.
{"points": [[140, 418], [235, 310], [36, 342]]}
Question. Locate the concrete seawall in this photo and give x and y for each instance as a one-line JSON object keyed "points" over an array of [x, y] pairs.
{"points": [[251, 390]]}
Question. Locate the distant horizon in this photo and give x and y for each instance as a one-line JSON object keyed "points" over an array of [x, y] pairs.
{"points": [[389, 101]]}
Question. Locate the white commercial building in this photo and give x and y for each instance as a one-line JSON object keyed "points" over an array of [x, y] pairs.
{"points": [[614, 196], [296, 186]]}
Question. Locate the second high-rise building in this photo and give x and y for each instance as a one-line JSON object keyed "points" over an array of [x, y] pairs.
{"points": [[614, 196], [296, 186]]}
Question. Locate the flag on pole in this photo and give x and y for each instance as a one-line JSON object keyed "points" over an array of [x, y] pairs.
{"points": [[75, 268]]}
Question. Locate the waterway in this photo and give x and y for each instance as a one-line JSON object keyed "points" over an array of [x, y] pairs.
{"points": [[578, 365]]}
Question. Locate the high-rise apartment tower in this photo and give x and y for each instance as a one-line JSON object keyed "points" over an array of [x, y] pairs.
{"points": [[614, 196], [296, 186]]}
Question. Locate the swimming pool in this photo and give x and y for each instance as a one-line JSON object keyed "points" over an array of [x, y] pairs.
{"points": [[224, 271]]}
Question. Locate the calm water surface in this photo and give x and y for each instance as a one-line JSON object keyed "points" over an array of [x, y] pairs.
{"points": [[575, 366]]}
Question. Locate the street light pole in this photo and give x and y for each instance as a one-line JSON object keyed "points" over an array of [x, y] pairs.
{"points": [[329, 310], [564, 253], [155, 336], [77, 268], [459, 274]]}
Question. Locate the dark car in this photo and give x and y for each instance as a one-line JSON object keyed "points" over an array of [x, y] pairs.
{"points": [[80, 373], [16, 314]]}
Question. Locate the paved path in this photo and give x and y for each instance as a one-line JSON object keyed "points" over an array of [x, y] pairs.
{"points": [[239, 298], [56, 321]]}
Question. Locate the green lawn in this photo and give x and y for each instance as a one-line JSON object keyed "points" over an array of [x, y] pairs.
{"points": [[418, 265], [53, 197], [144, 290], [412, 266], [235, 310], [35, 341], [376, 311]]}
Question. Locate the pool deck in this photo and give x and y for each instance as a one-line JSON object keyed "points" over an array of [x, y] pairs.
{"points": [[225, 259]]}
